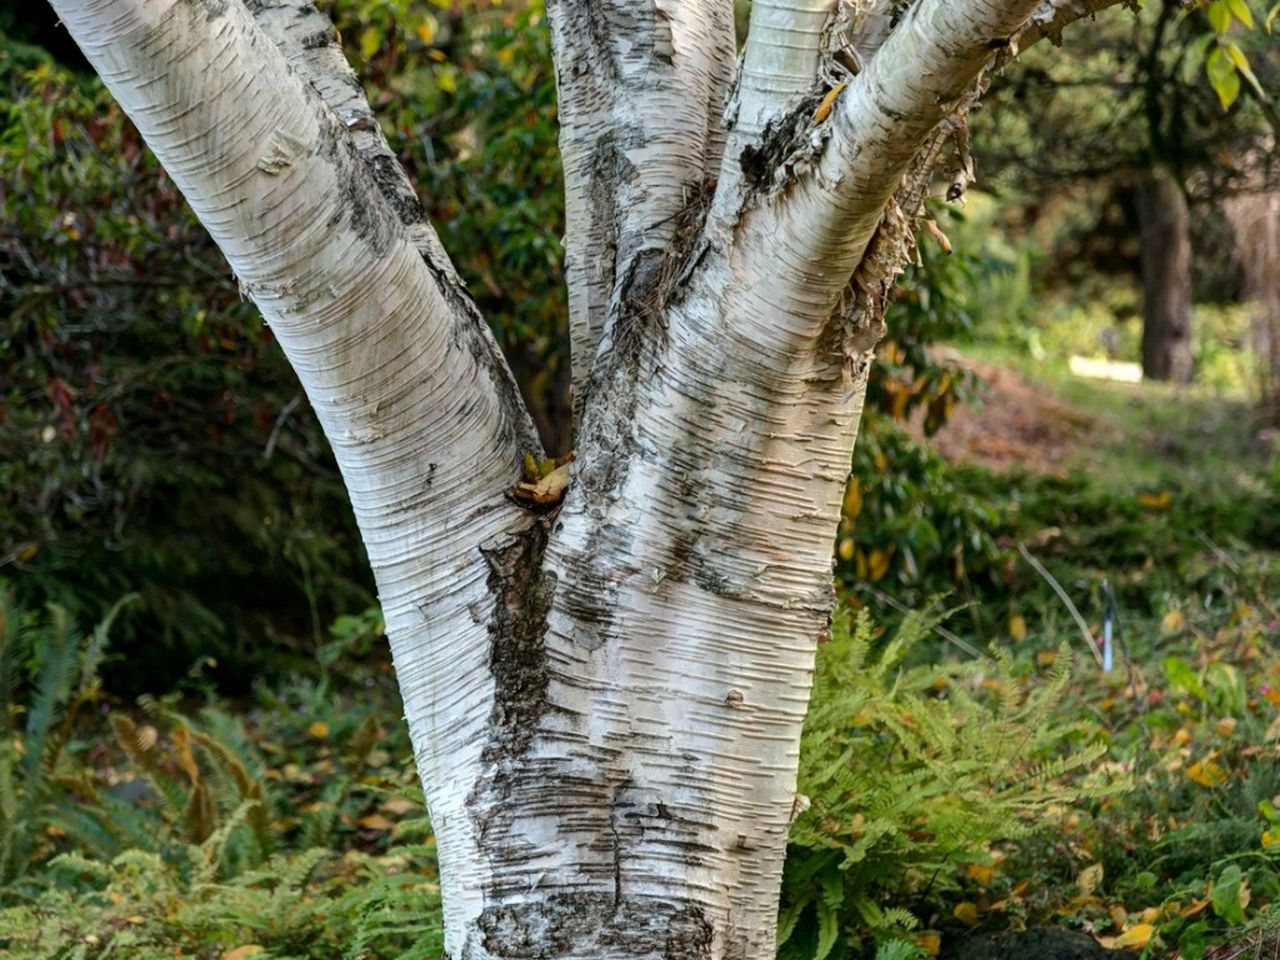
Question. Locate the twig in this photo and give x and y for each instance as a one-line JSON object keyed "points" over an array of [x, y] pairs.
{"points": [[279, 425], [941, 631], [1057, 588]]}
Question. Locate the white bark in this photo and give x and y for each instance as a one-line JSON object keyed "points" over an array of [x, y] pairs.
{"points": [[642, 87], [605, 701], [412, 394]]}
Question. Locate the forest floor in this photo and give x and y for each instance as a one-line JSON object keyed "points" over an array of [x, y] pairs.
{"points": [[1036, 416]]}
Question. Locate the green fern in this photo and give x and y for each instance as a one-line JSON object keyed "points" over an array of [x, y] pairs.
{"points": [[912, 772]]}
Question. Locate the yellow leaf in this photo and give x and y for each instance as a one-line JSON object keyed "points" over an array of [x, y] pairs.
{"points": [[852, 499], [1047, 658], [242, 953], [1194, 908], [370, 42], [966, 913], [427, 30], [1182, 737], [1173, 621], [319, 730], [846, 549], [824, 108], [878, 563], [1271, 837], [930, 943], [1226, 726], [1090, 879], [981, 873], [399, 806], [376, 821], [1156, 501], [1018, 627], [1135, 938], [136, 920], [1206, 773]]}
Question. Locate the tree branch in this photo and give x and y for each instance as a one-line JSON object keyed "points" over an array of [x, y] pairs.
{"points": [[642, 90], [407, 382]]}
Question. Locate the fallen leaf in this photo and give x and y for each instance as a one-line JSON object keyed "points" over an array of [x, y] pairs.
{"points": [[824, 108], [1018, 627], [981, 873], [1156, 501], [319, 730], [1135, 938], [1226, 726], [243, 952], [930, 943], [376, 821], [1090, 879], [966, 913], [1194, 908], [1206, 773]]}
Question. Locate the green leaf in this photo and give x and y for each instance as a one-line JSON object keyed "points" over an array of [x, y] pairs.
{"points": [[1193, 59], [1219, 15], [1240, 10], [1236, 54], [828, 930], [1182, 676], [1226, 896], [1224, 76]]}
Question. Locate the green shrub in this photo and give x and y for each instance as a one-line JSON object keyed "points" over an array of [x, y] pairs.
{"points": [[911, 774]]}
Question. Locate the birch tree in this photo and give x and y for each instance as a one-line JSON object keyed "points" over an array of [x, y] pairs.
{"points": [[604, 684]]}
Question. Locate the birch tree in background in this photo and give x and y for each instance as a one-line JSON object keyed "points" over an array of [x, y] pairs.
{"points": [[605, 685]]}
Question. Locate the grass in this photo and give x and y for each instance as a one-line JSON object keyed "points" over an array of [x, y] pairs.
{"points": [[1148, 433]]}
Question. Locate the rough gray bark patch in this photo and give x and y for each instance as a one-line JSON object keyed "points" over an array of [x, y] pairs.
{"points": [[582, 925], [518, 656]]}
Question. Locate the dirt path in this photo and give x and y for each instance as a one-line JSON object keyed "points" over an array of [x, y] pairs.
{"points": [[1015, 423]]}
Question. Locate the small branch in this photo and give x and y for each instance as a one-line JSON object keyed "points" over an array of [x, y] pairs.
{"points": [[288, 409], [937, 628]]}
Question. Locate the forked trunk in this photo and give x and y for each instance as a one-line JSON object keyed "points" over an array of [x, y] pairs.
{"points": [[605, 695]]}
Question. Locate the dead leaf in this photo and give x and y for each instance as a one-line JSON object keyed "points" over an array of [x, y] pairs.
{"points": [[548, 491], [376, 821], [244, 952], [1090, 879], [829, 101]]}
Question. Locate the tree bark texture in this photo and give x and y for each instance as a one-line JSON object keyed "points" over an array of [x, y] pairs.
{"points": [[1166, 278], [605, 696]]}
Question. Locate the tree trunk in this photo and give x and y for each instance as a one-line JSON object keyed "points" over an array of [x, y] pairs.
{"points": [[605, 695], [1166, 278]]}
